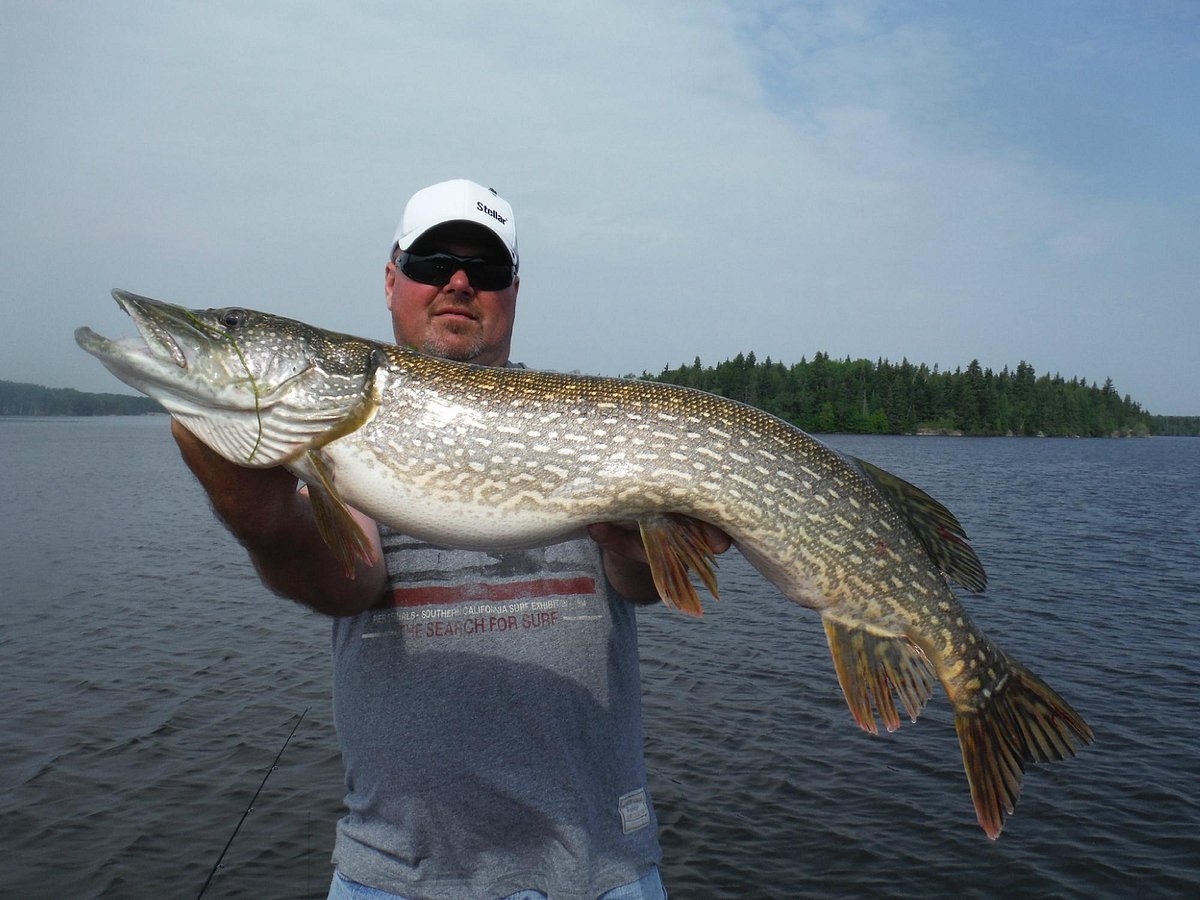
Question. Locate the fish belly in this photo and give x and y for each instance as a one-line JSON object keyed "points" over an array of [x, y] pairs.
{"points": [[449, 507]]}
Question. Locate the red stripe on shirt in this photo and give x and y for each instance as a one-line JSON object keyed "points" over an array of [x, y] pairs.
{"points": [[484, 592]]}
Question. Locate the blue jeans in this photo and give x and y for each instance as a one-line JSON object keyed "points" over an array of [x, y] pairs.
{"points": [[648, 887]]}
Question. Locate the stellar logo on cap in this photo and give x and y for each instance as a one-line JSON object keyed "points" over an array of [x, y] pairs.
{"points": [[491, 212]]}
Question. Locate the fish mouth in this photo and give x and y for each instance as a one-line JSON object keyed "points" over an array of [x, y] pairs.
{"points": [[162, 326]]}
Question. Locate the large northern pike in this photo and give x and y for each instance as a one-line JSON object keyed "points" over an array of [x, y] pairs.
{"points": [[490, 458]]}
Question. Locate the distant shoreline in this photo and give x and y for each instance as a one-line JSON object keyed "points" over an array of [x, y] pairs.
{"points": [[18, 399]]}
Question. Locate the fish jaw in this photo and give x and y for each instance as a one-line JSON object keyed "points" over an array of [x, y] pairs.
{"points": [[257, 396], [173, 361], [179, 360]]}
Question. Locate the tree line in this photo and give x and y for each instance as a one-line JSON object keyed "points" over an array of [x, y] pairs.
{"points": [[1175, 426], [17, 399], [882, 397]]}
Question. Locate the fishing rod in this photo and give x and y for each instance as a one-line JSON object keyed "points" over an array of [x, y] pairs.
{"points": [[249, 807]]}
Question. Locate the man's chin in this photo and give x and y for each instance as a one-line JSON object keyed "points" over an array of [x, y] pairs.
{"points": [[459, 348]]}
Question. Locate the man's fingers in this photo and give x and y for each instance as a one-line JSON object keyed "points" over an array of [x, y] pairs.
{"points": [[618, 539], [718, 540]]}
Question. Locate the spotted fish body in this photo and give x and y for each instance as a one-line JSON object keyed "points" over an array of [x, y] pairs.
{"points": [[490, 458]]}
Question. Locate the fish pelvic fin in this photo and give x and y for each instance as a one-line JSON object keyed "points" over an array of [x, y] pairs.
{"points": [[675, 546], [337, 527], [1020, 720], [872, 667], [936, 527]]}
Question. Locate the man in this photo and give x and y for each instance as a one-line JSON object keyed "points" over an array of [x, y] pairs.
{"points": [[488, 704]]}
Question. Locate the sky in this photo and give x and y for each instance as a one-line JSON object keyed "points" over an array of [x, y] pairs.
{"points": [[936, 181]]}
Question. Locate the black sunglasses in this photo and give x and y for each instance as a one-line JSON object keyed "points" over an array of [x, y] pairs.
{"points": [[439, 268]]}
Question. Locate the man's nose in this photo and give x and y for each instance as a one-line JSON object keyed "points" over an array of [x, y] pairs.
{"points": [[460, 282]]}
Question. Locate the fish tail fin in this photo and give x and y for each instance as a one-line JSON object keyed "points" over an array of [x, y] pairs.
{"points": [[871, 667], [675, 545], [1017, 720]]}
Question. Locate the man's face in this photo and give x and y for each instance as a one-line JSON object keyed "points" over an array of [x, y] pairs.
{"points": [[455, 320]]}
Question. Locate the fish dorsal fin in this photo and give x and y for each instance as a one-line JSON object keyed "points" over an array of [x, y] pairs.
{"points": [[675, 545], [871, 666], [337, 526], [935, 527]]}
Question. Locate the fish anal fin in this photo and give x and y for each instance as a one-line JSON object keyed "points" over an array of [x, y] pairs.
{"points": [[675, 546], [1022, 720], [871, 667], [337, 526]]}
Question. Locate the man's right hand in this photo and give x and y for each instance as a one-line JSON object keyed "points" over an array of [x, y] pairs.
{"points": [[274, 522], [251, 502]]}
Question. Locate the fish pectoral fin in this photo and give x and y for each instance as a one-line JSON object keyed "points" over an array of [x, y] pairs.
{"points": [[1021, 720], [870, 667], [935, 527], [338, 528], [676, 545]]}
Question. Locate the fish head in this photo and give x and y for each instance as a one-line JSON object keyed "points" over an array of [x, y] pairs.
{"points": [[259, 389]]}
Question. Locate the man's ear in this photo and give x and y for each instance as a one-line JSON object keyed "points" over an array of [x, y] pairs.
{"points": [[389, 282]]}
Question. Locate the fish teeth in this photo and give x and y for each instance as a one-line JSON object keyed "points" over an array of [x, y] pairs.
{"points": [[158, 340]]}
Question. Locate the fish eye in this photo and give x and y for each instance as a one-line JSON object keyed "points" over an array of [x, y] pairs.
{"points": [[232, 318]]}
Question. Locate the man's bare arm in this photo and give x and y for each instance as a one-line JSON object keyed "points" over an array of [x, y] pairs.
{"points": [[263, 509]]}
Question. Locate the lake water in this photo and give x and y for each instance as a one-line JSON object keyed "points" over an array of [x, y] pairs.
{"points": [[150, 682]]}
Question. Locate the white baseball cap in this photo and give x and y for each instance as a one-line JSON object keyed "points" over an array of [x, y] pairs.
{"points": [[457, 201]]}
